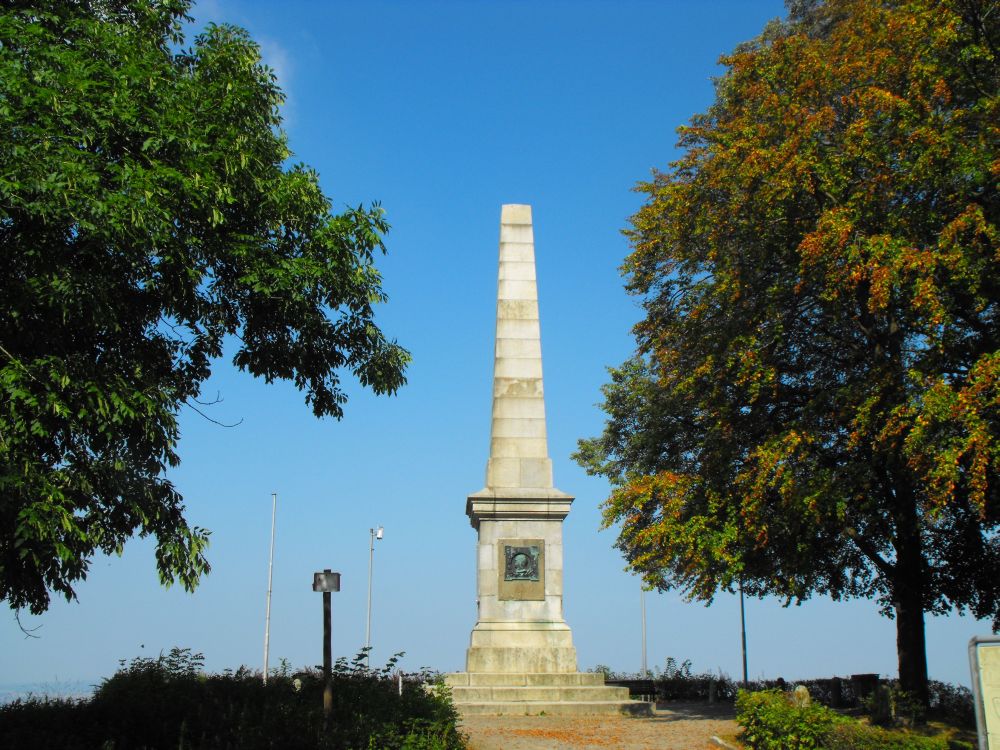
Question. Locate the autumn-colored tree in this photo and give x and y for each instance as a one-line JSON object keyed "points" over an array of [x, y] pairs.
{"points": [[814, 405]]}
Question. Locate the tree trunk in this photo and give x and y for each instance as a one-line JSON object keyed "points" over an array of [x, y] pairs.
{"points": [[910, 646], [908, 595]]}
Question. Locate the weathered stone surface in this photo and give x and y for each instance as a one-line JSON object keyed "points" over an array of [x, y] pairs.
{"points": [[553, 708], [518, 309], [515, 213], [519, 427], [518, 447], [527, 693], [525, 679], [521, 407], [517, 270], [516, 659], [521, 368]]}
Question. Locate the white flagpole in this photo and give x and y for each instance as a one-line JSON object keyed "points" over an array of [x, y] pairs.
{"points": [[270, 566]]}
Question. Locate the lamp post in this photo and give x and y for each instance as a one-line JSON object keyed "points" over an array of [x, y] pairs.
{"points": [[327, 581], [743, 637], [642, 598], [270, 566], [373, 534]]}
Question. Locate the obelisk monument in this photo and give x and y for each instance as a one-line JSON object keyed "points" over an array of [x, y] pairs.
{"points": [[519, 514], [521, 659]]}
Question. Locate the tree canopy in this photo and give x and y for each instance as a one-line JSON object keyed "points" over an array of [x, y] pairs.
{"points": [[814, 404], [147, 217]]}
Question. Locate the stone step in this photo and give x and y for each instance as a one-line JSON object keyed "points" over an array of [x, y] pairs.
{"points": [[461, 694], [523, 679], [560, 708], [534, 693]]}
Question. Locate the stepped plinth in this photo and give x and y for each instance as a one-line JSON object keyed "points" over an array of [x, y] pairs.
{"points": [[531, 694], [521, 658]]}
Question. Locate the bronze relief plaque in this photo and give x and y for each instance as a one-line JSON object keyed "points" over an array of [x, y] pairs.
{"points": [[521, 569]]}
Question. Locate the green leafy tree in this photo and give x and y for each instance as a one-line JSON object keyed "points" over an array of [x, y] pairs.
{"points": [[814, 402], [147, 217]]}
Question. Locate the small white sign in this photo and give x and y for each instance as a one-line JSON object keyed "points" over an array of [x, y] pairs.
{"points": [[985, 657]]}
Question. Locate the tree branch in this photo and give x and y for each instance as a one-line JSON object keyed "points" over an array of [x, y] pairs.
{"points": [[215, 421], [28, 632], [869, 551], [18, 362]]}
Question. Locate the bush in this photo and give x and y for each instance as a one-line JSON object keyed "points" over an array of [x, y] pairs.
{"points": [[953, 704], [853, 735], [771, 722], [43, 723], [169, 703], [677, 681]]}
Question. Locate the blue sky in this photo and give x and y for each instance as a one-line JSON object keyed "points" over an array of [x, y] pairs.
{"points": [[443, 111]]}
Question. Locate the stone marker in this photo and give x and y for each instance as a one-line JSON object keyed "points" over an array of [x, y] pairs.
{"points": [[801, 697], [521, 657]]}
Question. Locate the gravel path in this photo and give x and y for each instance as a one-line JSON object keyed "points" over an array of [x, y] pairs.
{"points": [[675, 726]]}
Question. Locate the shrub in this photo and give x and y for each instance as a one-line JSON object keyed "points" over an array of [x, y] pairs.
{"points": [[853, 735], [44, 724], [677, 681], [169, 703], [771, 722], [953, 704]]}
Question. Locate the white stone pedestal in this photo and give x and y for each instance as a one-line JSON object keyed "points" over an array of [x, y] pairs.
{"points": [[520, 626]]}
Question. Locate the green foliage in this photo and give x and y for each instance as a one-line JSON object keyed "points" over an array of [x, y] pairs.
{"points": [[168, 702], [953, 704], [770, 721], [907, 708], [853, 735], [879, 706], [812, 406], [603, 669], [677, 681], [146, 218], [674, 683], [673, 671]]}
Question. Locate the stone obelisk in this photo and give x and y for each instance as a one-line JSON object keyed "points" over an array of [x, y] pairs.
{"points": [[521, 658], [519, 514]]}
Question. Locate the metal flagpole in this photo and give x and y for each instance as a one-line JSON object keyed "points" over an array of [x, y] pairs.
{"points": [[270, 566], [373, 534]]}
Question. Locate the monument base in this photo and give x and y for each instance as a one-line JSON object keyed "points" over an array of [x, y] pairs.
{"points": [[529, 669], [521, 647], [549, 694]]}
